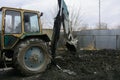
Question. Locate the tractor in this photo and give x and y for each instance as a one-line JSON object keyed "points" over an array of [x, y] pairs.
{"points": [[23, 46]]}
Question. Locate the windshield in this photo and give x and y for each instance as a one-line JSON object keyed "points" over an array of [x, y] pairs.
{"points": [[0, 20]]}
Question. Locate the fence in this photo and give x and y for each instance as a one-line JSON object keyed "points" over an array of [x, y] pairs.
{"points": [[93, 39], [98, 39]]}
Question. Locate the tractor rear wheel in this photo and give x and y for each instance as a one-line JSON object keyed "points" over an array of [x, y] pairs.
{"points": [[31, 57]]}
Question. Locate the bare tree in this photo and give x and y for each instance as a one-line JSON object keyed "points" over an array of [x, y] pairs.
{"points": [[102, 27], [118, 27], [83, 27], [74, 17]]}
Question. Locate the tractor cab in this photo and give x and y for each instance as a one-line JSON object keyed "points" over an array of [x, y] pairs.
{"points": [[16, 24]]}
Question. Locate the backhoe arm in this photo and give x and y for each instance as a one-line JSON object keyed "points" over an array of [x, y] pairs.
{"points": [[62, 18]]}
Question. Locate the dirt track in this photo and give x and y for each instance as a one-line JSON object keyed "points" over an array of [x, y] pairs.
{"points": [[85, 65]]}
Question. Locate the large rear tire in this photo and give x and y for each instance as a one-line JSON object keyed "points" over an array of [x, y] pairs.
{"points": [[31, 57]]}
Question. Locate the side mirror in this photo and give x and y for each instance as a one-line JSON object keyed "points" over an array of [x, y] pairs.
{"points": [[41, 14]]}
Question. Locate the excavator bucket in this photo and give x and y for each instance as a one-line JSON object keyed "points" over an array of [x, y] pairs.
{"points": [[72, 45]]}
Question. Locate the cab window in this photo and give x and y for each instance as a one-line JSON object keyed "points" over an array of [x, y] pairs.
{"points": [[13, 22], [31, 22]]}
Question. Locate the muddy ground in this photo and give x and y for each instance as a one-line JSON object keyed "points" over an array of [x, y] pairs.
{"points": [[84, 65]]}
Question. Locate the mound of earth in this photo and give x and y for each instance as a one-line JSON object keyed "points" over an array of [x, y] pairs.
{"points": [[83, 65]]}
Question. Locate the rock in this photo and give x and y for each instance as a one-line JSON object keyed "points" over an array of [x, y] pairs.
{"points": [[69, 72]]}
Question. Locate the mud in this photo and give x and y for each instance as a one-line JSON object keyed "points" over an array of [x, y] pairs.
{"points": [[83, 65]]}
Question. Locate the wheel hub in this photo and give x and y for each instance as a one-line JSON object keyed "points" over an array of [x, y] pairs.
{"points": [[34, 57]]}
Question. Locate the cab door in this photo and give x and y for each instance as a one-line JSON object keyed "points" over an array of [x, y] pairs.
{"points": [[12, 27]]}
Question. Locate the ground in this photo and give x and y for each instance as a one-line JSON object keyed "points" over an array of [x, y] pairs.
{"points": [[84, 65]]}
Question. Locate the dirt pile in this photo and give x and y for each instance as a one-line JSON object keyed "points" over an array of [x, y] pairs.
{"points": [[85, 65]]}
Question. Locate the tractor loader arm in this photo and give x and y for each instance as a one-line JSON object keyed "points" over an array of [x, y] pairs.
{"points": [[62, 19]]}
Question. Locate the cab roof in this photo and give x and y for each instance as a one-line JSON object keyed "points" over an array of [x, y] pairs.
{"points": [[18, 9]]}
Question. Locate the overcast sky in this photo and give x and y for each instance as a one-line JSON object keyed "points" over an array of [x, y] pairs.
{"points": [[110, 9]]}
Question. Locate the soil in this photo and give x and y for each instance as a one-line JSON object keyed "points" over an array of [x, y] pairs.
{"points": [[83, 65]]}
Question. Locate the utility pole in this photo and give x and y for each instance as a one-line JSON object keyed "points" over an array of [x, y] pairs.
{"points": [[99, 13]]}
